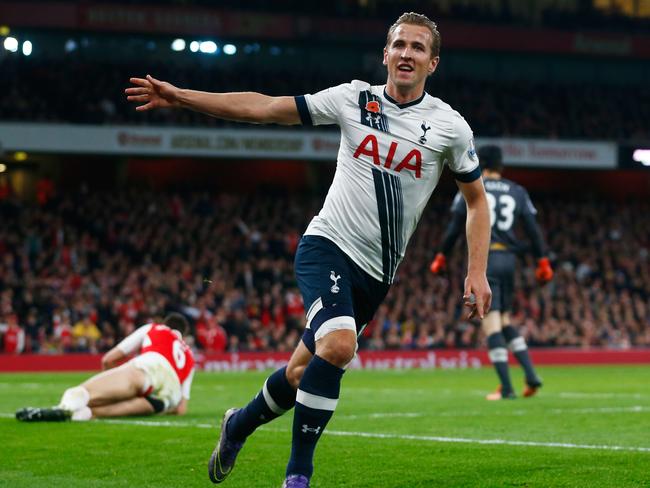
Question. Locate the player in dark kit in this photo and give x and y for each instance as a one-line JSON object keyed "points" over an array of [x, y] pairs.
{"points": [[509, 203]]}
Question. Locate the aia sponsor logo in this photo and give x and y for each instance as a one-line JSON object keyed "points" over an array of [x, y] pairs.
{"points": [[370, 147]]}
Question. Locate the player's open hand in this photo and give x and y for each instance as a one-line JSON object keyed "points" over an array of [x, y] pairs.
{"points": [[152, 93], [477, 296]]}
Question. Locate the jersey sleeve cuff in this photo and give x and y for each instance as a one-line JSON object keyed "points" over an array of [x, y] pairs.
{"points": [[303, 110], [473, 175]]}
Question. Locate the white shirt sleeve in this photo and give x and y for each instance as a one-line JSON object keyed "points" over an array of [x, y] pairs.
{"points": [[325, 106], [187, 385], [133, 342], [21, 341], [461, 156]]}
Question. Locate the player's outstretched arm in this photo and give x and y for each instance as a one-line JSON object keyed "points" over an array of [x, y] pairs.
{"points": [[477, 296], [251, 107]]}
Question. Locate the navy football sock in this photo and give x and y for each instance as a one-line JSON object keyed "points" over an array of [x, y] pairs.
{"points": [[517, 345], [316, 401], [275, 398], [499, 358]]}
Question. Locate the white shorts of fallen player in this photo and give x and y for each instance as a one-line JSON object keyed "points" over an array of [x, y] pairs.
{"points": [[162, 381]]}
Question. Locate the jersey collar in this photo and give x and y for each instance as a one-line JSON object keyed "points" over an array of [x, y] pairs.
{"points": [[403, 105]]}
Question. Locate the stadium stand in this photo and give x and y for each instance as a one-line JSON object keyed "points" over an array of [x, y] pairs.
{"points": [[79, 270], [43, 92], [117, 260]]}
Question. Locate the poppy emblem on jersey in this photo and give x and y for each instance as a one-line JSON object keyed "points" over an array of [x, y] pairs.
{"points": [[373, 107], [335, 287], [423, 137]]}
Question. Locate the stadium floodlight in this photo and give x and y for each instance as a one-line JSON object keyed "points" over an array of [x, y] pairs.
{"points": [[3, 168], [27, 48], [194, 46], [208, 47], [178, 44], [229, 49], [252, 48], [4, 30], [11, 44], [70, 45], [642, 156]]}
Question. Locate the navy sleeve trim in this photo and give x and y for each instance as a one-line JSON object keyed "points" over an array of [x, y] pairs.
{"points": [[303, 111], [473, 175]]}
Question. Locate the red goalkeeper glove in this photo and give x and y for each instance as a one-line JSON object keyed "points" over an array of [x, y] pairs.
{"points": [[438, 264], [544, 272]]}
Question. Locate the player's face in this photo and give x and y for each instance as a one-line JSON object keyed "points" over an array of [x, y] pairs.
{"points": [[408, 57]]}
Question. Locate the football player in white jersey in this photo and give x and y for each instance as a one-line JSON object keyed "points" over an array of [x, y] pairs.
{"points": [[157, 380], [395, 141]]}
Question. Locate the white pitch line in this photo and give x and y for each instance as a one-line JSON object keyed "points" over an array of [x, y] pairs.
{"points": [[156, 423], [633, 409], [483, 413], [374, 435], [578, 394], [26, 386], [380, 415], [398, 391], [504, 442]]}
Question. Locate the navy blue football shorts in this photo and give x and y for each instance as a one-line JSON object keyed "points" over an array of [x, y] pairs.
{"points": [[501, 277], [337, 293]]}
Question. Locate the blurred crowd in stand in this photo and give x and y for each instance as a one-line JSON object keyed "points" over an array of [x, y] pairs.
{"points": [[82, 270], [563, 15], [55, 92]]}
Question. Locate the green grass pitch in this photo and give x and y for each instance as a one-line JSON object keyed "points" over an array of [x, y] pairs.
{"points": [[589, 427]]}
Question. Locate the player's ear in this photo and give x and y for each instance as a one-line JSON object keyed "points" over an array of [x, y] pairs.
{"points": [[433, 64], [385, 61]]}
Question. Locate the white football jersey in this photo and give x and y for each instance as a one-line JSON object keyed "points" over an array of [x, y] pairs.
{"points": [[390, 160]]}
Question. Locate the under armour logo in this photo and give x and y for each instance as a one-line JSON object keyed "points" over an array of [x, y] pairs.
{"points": [[314, 430], [424, 128], [335, 288], [372, 121]]}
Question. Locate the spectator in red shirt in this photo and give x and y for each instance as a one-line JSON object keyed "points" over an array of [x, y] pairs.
{"points": [[210, 335], [13, 336]]}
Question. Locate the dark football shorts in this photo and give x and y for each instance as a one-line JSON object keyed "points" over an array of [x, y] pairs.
{"points": [[501, 277], [337, 293]]}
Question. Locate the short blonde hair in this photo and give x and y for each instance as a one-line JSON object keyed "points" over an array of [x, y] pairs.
{"points": [[417, 19]]}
